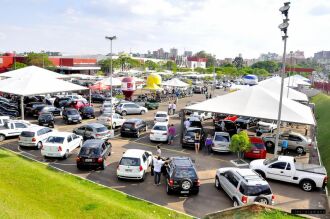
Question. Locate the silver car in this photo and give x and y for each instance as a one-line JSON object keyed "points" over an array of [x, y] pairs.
{"points": [[244, 186], [130, 108]]}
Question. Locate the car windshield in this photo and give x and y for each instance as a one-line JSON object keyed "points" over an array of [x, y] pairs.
{"points": [[72, 112], [89, 151], [191, 133], [101, 129], [107, 106], [54, 139], [161, 115], [266, 121], [130, 161], [185, 173], [221, 138], [268, 161], [27, 134], [243, 118], [258, 145], [255, 190], [89, 109], [160, 128], [128, 125], [45, 116]]}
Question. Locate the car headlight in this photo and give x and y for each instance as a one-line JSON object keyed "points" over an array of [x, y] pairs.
{"points": [[69, 118]]}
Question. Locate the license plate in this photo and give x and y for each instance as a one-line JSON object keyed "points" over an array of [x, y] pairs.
{"points": [[256, 152], [184, 192], [45, 124], [127, 129], [128, 170], [88, 160], [157, 139], [75, 120]]}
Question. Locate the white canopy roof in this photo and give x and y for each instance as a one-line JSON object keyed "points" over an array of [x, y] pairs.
{"points": [[259, 103], [174, 82], [295, 80], [274, 85], [106, 81], [32, 71], [27, 86]]}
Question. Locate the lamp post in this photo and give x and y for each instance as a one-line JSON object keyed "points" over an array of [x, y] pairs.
{"points": [[289, 75], [111, 38], [284, 27], [214, 77]]}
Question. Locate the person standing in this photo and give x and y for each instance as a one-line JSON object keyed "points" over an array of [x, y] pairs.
{"points": [[186, 124], [197, 141], [169, 108], [173, 108], [223, 126], [210, 96], [159, 151], [208, 144], [171, 134], [285, 145], [157, 163], [206, 95]]}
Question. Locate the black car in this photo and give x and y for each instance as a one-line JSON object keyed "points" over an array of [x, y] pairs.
{"points": [[46, 119], [98, 98], [93, 153], [71, 115], [9, 112], [230, 127], [189, 137], [50, 109], [31, 107], [133, 127], [35, 111], [60, 102], [87, 112], [9, 105], [181, 176], [245, 122]]}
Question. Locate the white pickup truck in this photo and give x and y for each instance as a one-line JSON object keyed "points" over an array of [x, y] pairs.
{"points": [[13, 128], [286, 169], [3, 120]]}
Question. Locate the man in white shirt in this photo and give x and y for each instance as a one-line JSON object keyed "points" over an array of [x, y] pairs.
{"points": [[157, 163], [173, 108], [186, 124]]}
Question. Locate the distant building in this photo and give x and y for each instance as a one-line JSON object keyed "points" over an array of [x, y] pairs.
{"points": [[173, 53], [195, 62], [160, 53], [323, 58], [269, 57], [167, 55], [249, 62], [187, 53]]}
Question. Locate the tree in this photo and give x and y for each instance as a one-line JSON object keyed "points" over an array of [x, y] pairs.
{"points": [[238, 62], [100, 73], [151, 65], [240, 143], [17, 65], [269, 66], [38, 59], [171, 65], [200, 70]]}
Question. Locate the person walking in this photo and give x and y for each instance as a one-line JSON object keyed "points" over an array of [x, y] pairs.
{"points": [[285, 145], [197, 141], [173, 108], [208, 144], [171, 134], [157, 163], [206, 95], [223, 126], [169, 108], [186, 124], [210, 96]]}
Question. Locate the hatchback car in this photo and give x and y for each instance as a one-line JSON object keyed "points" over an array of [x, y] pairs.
{"points": [[98, 98], [87, 112], [130, 108], [161, 116], [78, 104], [159, 132], [133, 127], [50, 109], [113, 119], [92, 131], [189, 137], [46, 119], [94, 153], [258, 149], [181, 176], [243, 186], [221, 142], [34, 136], [71, 115], [106, 107], [134, 164]]}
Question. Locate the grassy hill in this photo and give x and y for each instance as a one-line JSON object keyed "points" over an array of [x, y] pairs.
{"points": [[31, 190]]}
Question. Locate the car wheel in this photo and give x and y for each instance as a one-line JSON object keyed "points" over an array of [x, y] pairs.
{"points": [[169, 191], [143, 112], [269, 144], [235, 203], [103, 165], [2, 138], [307, 185], [262, 200], [217, 183], [39, 145], [186, 184], [300, 150], [65, 156], [123, 113]]}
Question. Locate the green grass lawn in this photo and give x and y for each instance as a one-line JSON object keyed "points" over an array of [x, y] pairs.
{"points": [[31, 190], [322, 107]]}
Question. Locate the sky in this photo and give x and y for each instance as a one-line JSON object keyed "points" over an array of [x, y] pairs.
{"points": [[221, 27]]}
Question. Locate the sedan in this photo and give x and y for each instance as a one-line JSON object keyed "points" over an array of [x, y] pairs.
{"points": [[115, 120], [159, 132]]}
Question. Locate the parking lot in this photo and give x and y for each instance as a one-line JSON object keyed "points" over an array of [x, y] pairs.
{"points": [[209, 198]]}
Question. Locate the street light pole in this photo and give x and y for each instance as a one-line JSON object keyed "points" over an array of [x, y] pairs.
{"points": [[111, 38], [284, 27], [213, 88], [289, 75]]}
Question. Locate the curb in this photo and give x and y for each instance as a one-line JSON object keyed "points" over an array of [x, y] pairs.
{"points": [[104, 186]]}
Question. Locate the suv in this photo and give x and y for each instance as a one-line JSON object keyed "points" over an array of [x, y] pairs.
{"points": [[87, 112], [71, 115], [181, 176], [92, 131], [93, 153], [133, 127], [98, 98], [243, 186], [130, 108]]}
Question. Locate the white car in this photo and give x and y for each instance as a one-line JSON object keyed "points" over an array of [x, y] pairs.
{"points": [[60, 144], [221, 142], [161, 116], [202, 115], [3, 120], [264, 126], [159, 132], [34, 136], [106, 107], [76, 97], [134, 164], [114, 100], [115, 120]]}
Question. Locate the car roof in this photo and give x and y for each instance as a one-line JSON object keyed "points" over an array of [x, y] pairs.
{"points": [[250, 176], [61, 134], [133, 120], [182, 161], [161, 124], [133, 153], [161, 112], [93, 143], [35, 128], [94, 125]]}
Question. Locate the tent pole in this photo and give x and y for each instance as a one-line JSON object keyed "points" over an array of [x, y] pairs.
{"points": [[22, 107]]}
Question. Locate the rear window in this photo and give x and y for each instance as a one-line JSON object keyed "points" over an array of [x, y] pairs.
{"points": [[258, 145], [191, 133], [128, 125], [101, 129], [161, 115], [255, 190], [54, 139], [160, 128], [221, 138], [90, 151], [72, 112], [185, 173], [27, 134], [45, 116], [88, 109], [130, 161]]}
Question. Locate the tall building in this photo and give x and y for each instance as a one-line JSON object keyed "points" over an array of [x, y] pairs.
{"points": [[187, 53], [173, 53], [160, 53], [323, 58]]}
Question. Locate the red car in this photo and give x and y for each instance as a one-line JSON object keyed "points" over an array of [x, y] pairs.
{"points": [[231, 118], [78, 104], [258, 150]]}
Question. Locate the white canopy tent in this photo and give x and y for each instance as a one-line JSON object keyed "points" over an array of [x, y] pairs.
{"points": [[174, 82], [274, 85], [257, 102], [32, 71], [295, 80], [28, 86], [106, 81]]}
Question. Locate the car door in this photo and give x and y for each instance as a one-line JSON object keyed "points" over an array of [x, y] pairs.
{"points": [[294, 141], [136, 109], [88, 132], [19, 127], [69, 145], [224, 181], [276, 170], [149, 158], [80, 131], [144, 160], [76, 140]]}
